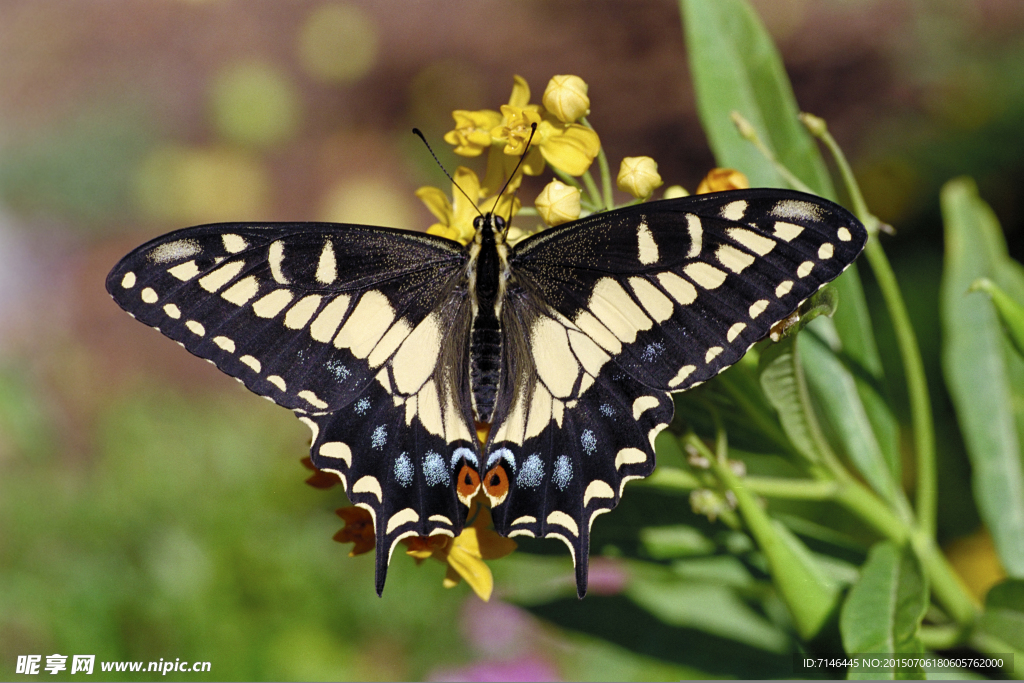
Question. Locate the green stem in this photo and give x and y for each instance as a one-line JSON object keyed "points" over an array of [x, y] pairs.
{"points": [[946, 585], [606, 175], [748, 132], [792, 489], [910, 353], [592, 190], [567, 179], [917, 386], [673, 479]]}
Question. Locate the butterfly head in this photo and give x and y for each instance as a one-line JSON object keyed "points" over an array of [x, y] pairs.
{"points": [[489, 226]]}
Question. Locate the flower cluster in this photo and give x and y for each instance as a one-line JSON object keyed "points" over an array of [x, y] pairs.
{"points": [[554, 134]]}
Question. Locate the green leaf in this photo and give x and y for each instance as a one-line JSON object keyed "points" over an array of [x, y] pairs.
{"points": [[1011, 314], [783, 383], [979, 370], [883, 611], [1004, 613], [736, 67], [837, 399], [708, 607]]}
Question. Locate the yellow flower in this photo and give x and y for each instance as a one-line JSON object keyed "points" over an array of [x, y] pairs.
{"points": [[472, 134], [558, 203], [638, 176], [566, 98], [721, 179], [568, 147], [465, 554], [456, 217]]}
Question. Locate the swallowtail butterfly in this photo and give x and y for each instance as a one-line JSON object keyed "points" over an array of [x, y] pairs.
{"points": [[391, 345]]}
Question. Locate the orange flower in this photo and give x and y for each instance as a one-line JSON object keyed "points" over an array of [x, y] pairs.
{"points": [[720, 179], [358, 529], [320, 479]]}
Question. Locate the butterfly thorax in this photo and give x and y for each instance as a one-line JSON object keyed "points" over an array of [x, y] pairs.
{"points": [[487, 274]]}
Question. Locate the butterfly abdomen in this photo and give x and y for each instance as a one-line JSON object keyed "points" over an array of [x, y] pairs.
{"points": [[485, 364]]}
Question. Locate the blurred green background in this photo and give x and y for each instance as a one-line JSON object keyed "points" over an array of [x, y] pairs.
{"points": [[150, 508]]}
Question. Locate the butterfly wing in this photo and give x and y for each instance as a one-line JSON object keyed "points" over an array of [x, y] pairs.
{"points": [[361, 331], [611, 312]]}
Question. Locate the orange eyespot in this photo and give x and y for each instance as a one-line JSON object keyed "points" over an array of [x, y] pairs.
{"points": [[496, 485], [469, 484]]}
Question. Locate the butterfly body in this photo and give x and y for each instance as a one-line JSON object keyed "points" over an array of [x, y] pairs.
{"points": [[390, 345], [488, 272]]}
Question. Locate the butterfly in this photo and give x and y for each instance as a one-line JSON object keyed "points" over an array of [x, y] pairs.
{"points": [[393, 347]]}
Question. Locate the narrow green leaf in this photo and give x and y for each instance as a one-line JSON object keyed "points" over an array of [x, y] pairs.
{"points": [[1011, 314], [883, 611], [835, 395], [979, 372], [783, 383], [736, 67], [853, 323]]}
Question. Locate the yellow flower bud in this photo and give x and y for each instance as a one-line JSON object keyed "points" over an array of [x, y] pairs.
{"points": [[639, 176], [558, 203], [722, 179], [674, 192], [566, 98]]}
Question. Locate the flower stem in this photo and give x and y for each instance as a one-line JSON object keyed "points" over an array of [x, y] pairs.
{"points": [[592, 190], [606, 175], [910, 353], [748, 132]]}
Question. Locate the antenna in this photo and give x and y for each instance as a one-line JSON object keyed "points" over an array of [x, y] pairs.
{"points": [[533, 131], [472, 203]]}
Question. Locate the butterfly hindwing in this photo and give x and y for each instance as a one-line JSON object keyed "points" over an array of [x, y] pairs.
{"points": [[677, 290], [398, 457], [553, 465]]}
